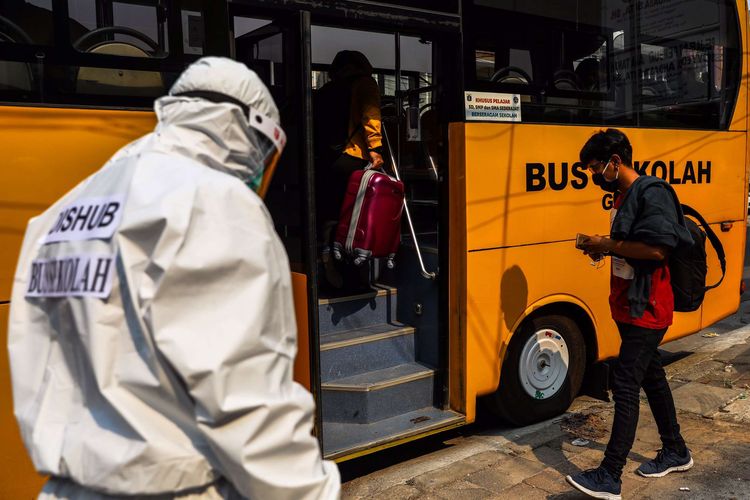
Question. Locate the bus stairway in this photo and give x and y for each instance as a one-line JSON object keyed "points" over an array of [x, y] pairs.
{"points": [[373, 388]]}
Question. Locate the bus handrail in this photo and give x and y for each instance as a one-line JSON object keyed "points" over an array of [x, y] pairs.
{"points": [[425, 273]]}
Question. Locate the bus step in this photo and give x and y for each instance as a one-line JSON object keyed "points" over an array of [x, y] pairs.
{"points": [[349, 353], [377, 395], [349, 312], [341, 439]]}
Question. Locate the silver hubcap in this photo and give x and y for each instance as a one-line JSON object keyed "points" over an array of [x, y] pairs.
{"points": [[544, 364]]}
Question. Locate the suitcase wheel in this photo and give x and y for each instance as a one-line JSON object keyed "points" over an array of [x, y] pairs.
{"points": [[361, 256], [391, 262], [337, 251]]}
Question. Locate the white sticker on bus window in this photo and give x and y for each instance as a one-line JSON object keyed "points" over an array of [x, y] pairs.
{"points": [[87, 219], [87, 275], [192, 32], [622, 269], [492, 107]]}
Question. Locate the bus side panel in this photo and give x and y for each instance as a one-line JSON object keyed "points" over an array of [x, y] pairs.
{"points": [[524, 184], [46, 152], [725, 299], [457, 272], [740, 116], [302, 361], [526, 199], [504, 283], [18, 479]]}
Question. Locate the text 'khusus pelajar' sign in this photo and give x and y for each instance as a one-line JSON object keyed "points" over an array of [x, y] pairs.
{"points": [[492, 107]]}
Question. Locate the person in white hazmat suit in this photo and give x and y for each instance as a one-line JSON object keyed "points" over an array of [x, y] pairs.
{"points": [[152, 331]]}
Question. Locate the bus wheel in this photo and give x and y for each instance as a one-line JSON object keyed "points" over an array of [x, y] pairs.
{"points": [[542, 371]]}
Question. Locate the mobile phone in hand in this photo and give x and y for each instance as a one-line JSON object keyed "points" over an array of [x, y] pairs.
{"points": [[580, 240]]}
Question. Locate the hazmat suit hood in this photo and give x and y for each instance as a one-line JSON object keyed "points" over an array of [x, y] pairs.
{"points": [[219, 134]]}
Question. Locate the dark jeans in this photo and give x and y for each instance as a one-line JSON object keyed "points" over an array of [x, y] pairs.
{"points": [[639, 365]]}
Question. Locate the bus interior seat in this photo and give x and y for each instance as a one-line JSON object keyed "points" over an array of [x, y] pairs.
{"points": [[14, 75], [511, 75], [562, 108], [653, 93], [565, 79], [695, 87], [111, 81]]}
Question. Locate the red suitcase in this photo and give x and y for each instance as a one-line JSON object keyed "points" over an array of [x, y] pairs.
{"points": [[370, 219]]}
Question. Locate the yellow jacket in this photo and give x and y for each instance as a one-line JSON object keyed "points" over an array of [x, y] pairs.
{"points": [[365, 110]]}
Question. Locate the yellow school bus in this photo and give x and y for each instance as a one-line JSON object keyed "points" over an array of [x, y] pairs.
{"points": [[485, 105]]}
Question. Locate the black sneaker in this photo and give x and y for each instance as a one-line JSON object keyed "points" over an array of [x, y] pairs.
{"points": [[597, 483], [666, 461]]}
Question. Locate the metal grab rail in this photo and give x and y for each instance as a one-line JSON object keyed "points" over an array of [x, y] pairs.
{"points": [[432, 164], [426, 149], [425, 273]]}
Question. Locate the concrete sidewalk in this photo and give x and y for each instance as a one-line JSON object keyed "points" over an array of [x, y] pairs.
{"points": [[711, 387]]}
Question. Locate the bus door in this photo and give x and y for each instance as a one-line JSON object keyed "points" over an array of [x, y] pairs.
{"points": [[268, 41], [383, 339]]}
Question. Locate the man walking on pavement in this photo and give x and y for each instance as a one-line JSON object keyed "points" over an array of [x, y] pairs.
{"points": [[152, 332], [646, 226]]}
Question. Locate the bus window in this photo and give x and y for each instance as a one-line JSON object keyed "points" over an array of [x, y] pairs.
{"points": [[27, 21], [379, 48], [258, 43], [416, 61], [685, 65], [23, 22], [135, 32], [583, 62], [560, 67], [120, 28]]}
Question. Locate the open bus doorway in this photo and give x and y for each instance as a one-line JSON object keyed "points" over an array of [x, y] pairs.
{"points": [[383, 352], [375, 355]]}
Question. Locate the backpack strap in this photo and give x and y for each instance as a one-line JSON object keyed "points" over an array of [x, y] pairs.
{"points": [[715, 241]]}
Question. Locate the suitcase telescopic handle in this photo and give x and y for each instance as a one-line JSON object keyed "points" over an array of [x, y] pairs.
{"points": [[425, 273]]}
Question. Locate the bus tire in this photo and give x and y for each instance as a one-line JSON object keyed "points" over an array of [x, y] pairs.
{"points": [[542, 371]]}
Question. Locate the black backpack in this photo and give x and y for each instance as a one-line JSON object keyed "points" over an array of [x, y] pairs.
{"points": [[687, 264]]}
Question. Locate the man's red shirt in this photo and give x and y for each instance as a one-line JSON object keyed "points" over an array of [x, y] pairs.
{"points": [[660, 308]]}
